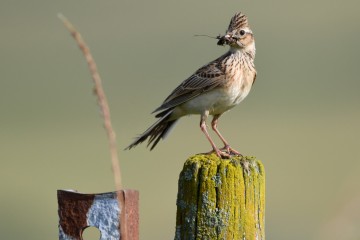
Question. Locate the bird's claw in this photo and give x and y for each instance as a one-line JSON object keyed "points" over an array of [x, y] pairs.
{"points": [[230, 151], [219, 153]]}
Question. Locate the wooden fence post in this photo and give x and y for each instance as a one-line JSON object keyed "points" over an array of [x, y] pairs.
{"points": [[221, 199]]}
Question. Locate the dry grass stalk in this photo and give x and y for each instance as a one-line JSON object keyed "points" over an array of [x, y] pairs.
{"points": [[99, 92]]}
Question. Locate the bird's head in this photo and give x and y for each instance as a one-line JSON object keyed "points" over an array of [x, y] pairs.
{"points": [[238, 34]]}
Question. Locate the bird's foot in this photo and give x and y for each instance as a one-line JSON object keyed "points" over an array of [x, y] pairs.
{"points": [[230, 151], [219, 153]]}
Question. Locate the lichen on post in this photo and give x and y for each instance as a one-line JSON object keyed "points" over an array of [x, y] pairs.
{"points": [[221, 199]]}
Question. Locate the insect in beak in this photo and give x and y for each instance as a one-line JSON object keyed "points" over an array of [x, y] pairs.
{"points": [[226, 39]]}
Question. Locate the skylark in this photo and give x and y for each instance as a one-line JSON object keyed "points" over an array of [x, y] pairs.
{"points": [[212, 90]]}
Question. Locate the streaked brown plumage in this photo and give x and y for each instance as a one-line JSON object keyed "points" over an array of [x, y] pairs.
{"points": [[211, 90]]}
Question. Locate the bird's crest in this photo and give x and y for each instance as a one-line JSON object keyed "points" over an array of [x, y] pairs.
{"points": [[238, 21]]}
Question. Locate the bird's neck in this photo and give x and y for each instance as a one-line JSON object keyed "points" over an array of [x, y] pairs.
{"points": [[247, 52], [244, 55]]}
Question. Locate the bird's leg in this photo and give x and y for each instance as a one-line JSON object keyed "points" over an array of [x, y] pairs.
{"points": [[226, 147], [203, 127]]}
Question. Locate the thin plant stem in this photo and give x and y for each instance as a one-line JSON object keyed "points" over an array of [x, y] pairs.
{"points": [[100, 94]]}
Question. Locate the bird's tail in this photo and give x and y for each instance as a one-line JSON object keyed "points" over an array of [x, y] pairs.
{"points": [[159, 130]]}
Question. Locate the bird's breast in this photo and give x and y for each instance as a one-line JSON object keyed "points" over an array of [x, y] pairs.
{"points": [[219, 100], [240, 86]]}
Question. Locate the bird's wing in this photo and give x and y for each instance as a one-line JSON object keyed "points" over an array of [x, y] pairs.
{"points": [[203, 80]]}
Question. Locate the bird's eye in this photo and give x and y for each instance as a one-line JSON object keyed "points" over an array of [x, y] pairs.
{"points": [[242, 32]]}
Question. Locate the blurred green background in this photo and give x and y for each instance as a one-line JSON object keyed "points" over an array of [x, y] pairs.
{"points": [[301, 118]]}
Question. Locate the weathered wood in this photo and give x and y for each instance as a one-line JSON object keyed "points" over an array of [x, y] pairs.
{"points": [[221, 199], [115, 214]]}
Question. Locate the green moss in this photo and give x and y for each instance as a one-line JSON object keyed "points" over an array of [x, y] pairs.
{"points": [[221, 198]]}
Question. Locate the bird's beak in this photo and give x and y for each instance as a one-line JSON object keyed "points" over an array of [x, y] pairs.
{"points": [[226, 39], [227, 36]]}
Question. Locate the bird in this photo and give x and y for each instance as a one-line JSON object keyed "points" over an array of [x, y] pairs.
{"points": [[213, 89]]}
